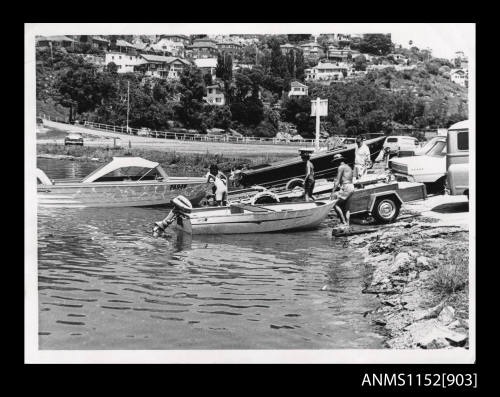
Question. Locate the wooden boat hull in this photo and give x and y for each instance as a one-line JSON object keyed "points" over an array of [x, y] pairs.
{"points": [[284, 217], [279, 173], [120, 194]]}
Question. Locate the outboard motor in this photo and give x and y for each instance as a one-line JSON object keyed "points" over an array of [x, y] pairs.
{"points": [[181, 206]]}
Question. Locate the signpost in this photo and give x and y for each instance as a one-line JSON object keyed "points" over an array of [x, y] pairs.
{"points": [[319, 107]]}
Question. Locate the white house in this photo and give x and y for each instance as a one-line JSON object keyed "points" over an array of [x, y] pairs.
{"points": [[125, 62], [215, 95], [298, 89], [327, 71], [459, 76]]}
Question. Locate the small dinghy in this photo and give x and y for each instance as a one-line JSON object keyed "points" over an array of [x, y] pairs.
{"points": [[245, 218]]}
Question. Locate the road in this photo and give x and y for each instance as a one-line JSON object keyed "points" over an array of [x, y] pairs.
{"points": [[104, 138]]}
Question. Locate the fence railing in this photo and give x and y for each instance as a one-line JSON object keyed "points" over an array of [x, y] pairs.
{"points": [[186, 136]]}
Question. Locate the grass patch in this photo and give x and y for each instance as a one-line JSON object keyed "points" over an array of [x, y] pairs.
{"points": [[176, 164], [452, 276]]}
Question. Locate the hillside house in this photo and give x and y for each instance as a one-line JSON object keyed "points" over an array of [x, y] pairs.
{"points": [[298, 89], [202, 48], [337, 54], [327, 71], [55, 41], [176, 38], [229, 47], [215, 95], [126, 63], [169, 47], [124, 47], [459, 76], [312, 50], [162, 67]]}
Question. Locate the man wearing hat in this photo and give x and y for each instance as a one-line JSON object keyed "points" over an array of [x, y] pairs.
{"points": [[309, 182], [343, 197]]}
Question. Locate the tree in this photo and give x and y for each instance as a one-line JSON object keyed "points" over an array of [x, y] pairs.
{"points": [[360, 62], [224, 71], [298, 38], [190, 107], [376, 44], [112, 67]]}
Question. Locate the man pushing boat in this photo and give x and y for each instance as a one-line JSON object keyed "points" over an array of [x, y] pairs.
{"points": [[343, 197]]}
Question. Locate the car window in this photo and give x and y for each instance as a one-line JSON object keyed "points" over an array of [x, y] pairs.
{"points": [[392, 140], [437, 150], [463, 140]]}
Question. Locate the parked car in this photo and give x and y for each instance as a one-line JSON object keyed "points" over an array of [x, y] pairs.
{"points": [[457, 159], [73, 138], [144, 131], [429, 168], [426, 147], [403, 145]]}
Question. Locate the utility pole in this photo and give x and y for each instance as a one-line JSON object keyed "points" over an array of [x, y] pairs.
{"points": [[316, 143], [128, 101]]}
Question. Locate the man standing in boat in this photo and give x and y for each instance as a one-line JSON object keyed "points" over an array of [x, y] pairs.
{"points": [[362, 158], [309, 182], [220, 184], [343, 197]]}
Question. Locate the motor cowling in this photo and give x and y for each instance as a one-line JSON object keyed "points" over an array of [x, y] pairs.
{"points": [[182, 204]]}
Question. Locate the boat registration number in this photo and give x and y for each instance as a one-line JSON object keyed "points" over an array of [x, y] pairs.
{"points": [[175, 187]]}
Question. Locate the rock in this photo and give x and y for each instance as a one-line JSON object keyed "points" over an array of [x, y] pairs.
{"points": [[438, 343], [423, 263], [413, 254], [447, 315], [430, 333], [464, 322], [429, 313]]}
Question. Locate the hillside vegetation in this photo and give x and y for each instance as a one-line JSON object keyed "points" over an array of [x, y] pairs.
{"points": [[70, 87]]}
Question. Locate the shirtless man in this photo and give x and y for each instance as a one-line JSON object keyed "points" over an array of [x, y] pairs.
{"points": [[309, 178], [344, 181]]}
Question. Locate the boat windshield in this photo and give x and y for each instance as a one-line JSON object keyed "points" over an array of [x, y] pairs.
{"points": [[130, 174], [437, 150]]}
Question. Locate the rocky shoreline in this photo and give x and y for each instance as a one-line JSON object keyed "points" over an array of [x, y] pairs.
{"points": [[419, 272]]}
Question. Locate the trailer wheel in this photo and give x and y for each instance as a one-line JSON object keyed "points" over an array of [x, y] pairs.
{"points": [[386, 210], [293, 183], [265, 198]]}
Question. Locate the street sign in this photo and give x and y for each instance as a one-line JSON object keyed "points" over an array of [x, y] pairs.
{"points": [[322, 105]]}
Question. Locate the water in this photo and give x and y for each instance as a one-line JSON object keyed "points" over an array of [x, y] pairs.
{"points": [[105, 283]]}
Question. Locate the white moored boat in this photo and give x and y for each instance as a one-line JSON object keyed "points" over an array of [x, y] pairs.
{"points": [[124, 182], [243, 218]]}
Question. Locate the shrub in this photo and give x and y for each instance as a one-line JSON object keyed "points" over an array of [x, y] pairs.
{"points": [[452, 276]]}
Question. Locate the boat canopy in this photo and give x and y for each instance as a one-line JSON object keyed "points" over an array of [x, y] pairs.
{"points": [[123, 162], [42, 177]]}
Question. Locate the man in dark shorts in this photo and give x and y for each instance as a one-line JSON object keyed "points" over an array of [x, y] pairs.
{"points": [[343, 197], [309, 178]]}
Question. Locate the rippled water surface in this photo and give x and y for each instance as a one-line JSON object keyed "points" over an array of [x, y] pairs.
{"points": [[105, 283]]}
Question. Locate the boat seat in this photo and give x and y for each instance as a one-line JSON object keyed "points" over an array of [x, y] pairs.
{"points": [[240, 208]]}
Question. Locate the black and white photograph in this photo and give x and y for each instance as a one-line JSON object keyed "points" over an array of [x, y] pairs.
{"points": [[236, 193]]}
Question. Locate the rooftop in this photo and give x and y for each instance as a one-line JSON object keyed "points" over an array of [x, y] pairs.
{"points": [[206, 62], [55, 38]]}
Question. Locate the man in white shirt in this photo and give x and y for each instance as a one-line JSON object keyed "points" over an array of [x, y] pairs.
{"points": [[362, 158], [220, 184]]}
